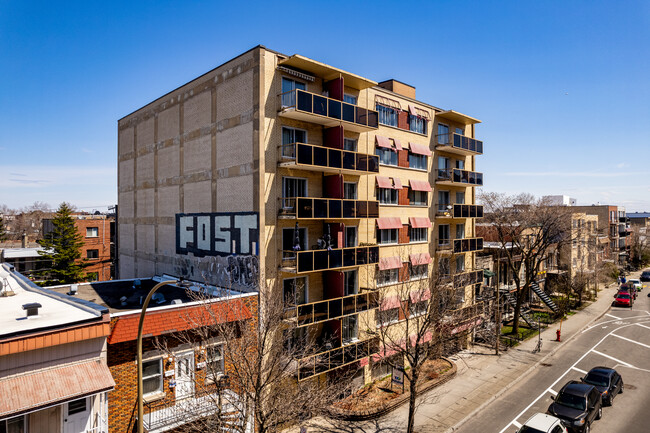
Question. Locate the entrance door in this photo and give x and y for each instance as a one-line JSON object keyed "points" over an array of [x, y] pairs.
{"points": [[184, 375], [76, 417]]}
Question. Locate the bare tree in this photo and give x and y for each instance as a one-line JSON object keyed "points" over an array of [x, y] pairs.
{"points": [[640, 247], [526, 229]]}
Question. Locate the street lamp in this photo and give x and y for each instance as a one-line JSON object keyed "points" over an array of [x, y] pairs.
{"points": [[139, 350]]}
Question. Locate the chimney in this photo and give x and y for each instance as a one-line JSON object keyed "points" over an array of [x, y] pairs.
{"points": [[24, 240], [399, 88], [32, 308]]}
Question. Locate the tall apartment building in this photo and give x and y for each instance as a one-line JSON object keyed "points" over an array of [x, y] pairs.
{"points": [[613, 222], [281, 171]]}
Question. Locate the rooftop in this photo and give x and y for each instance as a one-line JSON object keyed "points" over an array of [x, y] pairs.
{"points": [[17, 253]]}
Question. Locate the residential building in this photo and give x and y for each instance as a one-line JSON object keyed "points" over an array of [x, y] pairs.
{"points": [[639, 219], [53, 371], [612, 221], [282, 169], [559, 200]]}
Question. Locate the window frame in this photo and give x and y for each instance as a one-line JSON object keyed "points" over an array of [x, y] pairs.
{"points": [[209, 371], [418, 198], [417, 309], [389, 196], [346, 328], [384, 235], [92, 230], [380, 321], [96, 255], [418, 162], [415, 275], [350, 99], [352, 185], [418, 230], [347, 141], [355, 289], [387, 156], [159, 389], [305, 290], [417, 124], [387, 277], [386, 115]]}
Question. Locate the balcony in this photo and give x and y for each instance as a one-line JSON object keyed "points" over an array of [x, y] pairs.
{"points": [[459, 144], [327, 208], [310, 107], [336, 358], [459, 211], [468, 278], [326, 159], [336, 308], [458, 177], [467, 245], [161, 415], [300, 262]]}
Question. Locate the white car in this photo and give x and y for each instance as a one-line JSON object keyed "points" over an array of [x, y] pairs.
{"points": [[542, 423], [637, 283]]}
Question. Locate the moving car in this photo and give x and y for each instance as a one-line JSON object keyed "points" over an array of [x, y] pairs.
{"points": [[607, 381], [577, 405], [542, 423], [636, 283], [645, 276], [623, 299]]}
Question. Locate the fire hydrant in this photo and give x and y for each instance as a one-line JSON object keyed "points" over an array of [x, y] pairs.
{"points": [[558, 333]]}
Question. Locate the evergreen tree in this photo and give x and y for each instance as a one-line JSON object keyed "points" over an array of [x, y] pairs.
{"points": [[3, 230], [63, 248]]}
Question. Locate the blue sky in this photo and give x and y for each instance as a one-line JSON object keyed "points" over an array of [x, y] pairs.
{"points": [[561, 86]]}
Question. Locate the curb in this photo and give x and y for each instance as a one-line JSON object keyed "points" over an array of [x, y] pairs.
{"points": [[525, 374]]}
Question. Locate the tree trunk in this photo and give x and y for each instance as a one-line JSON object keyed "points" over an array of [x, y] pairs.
{"points": [[413, 395]]}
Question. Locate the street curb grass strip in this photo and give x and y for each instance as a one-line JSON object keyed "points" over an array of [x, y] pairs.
{"points": [[522, 376]]}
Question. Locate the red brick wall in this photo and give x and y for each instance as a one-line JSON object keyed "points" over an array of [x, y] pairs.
{"points": [[102, 243], [403, 120], [403, 235], [403, 197], [403, 158]]}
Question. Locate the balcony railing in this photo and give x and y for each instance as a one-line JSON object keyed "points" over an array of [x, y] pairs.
{"points": [[444, 244], [468, 278], [459, 210], [456, 176], [328, 208], [303, 105], [457, 143], [467, 245], [329, 309], [320, 158], [164, 413], [336, 358], [323, 260]]}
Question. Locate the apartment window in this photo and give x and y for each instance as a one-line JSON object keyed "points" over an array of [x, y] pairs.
{"points": [[350, 144], [418, 308], [460, 264], [292, 187], [152, 376], [386, 236], [417, 124], [92, 254], [350, 190], [460, 231], [295, 290], [13, 425], [443, 267], [418, 234], [386, 317], [387, 115], [349, 329], [92, 276], [350, 283], [460, 131], [417, 161], [214, 361], [443, 134], [460, 198], [417, 198], [77, 406], [289, 137], [350, 236], [386, 156], [419, 272], [290, 244], [387, 276], [387, 195], [289, 99], [460, 164], [443, 201], [443, 234], [350, 99], [92, 232]]}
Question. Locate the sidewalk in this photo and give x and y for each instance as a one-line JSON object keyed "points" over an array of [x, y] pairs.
{"points": [[482, 377]]}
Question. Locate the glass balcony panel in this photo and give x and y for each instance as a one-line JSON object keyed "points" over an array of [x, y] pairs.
{"points": [[362, 302], [288, 151], [336, 358], [320, 208], [348, 112], [321, 260], [307, 368], [349, 257], [305, 314], [349, 305], [336, 308], [320, 156], [323, 363], [350, 353], [336, 258], [373, 119], [373, 255], [362, 116], [305, 208], [349, 209], [305, 261], [362, 256], [373, 163], [373, 300], [349, 161], [320, 105], [304, 101], [335, 209], [479, 244], [321, 312], [373, 209], [334, 109], [335, 157], [305, 154]]}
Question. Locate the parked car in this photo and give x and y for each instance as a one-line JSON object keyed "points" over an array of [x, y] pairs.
{"points": [[636, 283], [607, 381], [628, 288], [623, 299], [543, 423], [577, 405], [645, 276]]}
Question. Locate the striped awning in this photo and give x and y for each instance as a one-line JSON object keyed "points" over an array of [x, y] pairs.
{"points": [[389, 302], [420, 222], [420, 259], [387, 102], [390, 263], [383, 141], [389, 223], [419, 149], [420, 185]]}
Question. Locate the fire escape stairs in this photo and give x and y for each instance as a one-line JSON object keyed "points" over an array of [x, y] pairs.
{"points": [[544, 297], [524, 313]]}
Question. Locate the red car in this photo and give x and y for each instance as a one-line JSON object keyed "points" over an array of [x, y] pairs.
{"points": [[628, 287], [623, 299]]}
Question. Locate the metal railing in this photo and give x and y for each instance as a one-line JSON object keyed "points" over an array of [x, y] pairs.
{"points": [[326, 157], [336, 358], [335, 308], [327, 259], [460, 210], [327, 208], [457, 175], [460, 142], [168, 411], [311, 103], [467, 245], [468, 278]]}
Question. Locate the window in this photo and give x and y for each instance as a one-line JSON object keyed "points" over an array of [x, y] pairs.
{"points": [[460, 131], [443, 162], [349, 329], [443, 201], [295, 291], [289, 137], [350, 283], [419, 271], [387, 115], [417, 161], [443, 134], [443, 234], [292, 187], [460, 231], [92, 254], [386, 317], [443, 267], [460, 164], [350, 237], [92, 232], [417, 198], [419, 308], [418, 234], [350, 144], [387, 276], [460, 264], [13, 425], [387, 236], [152, 376], [77, 406], [417, 124], [460, 198], [92, 276], [386, 156], [350, 190], [290, 244], [387, 195], [350, 99], [289, 99], [214, 361]]}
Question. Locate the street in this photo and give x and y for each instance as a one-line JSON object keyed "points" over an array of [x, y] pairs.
{"points": [[620, 339]]}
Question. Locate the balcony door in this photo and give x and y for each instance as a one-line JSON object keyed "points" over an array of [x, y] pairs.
{"points": [[289, 99], [292, 187], [350, 283], [443, 201], [184, 375], [77, 416]]}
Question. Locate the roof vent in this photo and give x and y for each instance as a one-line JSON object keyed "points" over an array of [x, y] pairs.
{"points": [[73, 289], [158, 298], [32, 308], [176, 301]]}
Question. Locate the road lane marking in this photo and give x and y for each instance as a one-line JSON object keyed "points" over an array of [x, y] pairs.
{"points": [[643, 326], [631, 341], [617, 318], [613, 320], [552, 392], [516, 424], [612, 358], [579, 370]]}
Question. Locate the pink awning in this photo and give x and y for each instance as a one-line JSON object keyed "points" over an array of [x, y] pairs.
{"points": [[384, 182], [423, 339], [390, 263], [398, 144], [389, 223], [397, 183], [388, 350], [383, 142], [389, 302], [419, 149], [420, 222], [412, 110], [420, 185], [420, 259], [420, 295]]}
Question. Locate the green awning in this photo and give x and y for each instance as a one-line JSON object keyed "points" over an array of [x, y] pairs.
{"points": [[488, 273]]}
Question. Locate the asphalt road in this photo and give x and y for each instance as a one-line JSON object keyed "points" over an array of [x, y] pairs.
{"points": [[620, 339]]}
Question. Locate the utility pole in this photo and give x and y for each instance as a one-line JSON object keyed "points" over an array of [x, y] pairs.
{"points": [[498, 315]]}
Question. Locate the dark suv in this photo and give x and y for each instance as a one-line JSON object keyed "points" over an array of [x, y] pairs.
{"points": [[645, 276], [577, 405]]}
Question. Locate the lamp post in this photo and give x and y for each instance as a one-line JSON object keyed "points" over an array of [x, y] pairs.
{"points": [[139, 350]]}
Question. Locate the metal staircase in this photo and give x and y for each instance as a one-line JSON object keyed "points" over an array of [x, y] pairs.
{"points": [[544, 297], [523, 313]]}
